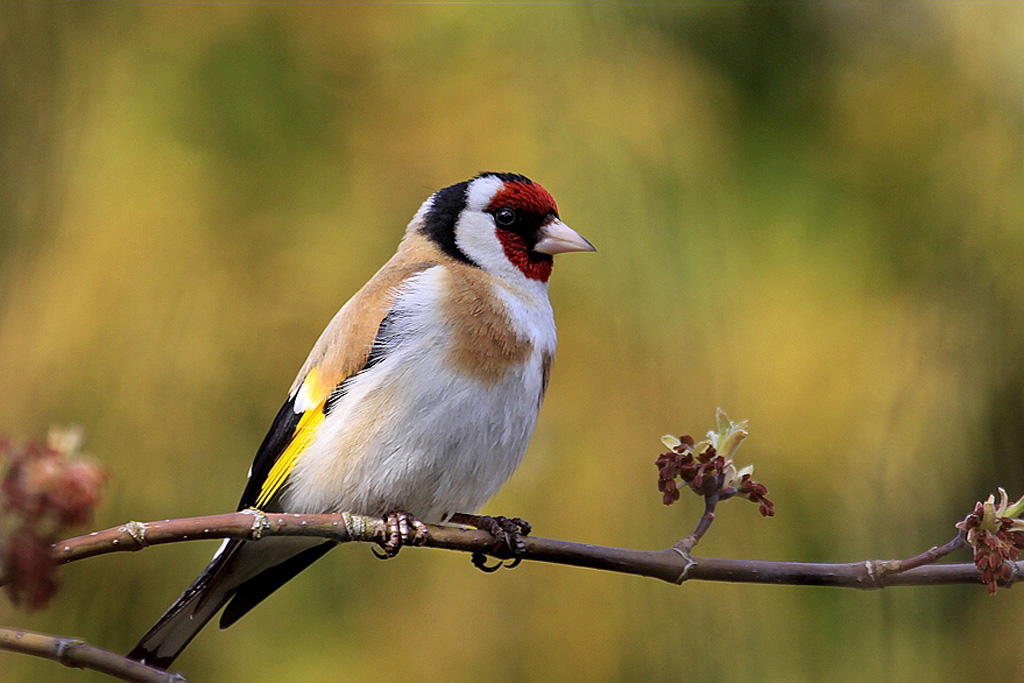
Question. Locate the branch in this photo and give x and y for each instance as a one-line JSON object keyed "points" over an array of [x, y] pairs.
{"points": [[45, 488], [673, 565], [79, 655]]}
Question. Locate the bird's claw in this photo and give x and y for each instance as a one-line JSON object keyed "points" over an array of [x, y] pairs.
{"points": [[402, 529], [480, 562], [510, 534], [509, 540]]}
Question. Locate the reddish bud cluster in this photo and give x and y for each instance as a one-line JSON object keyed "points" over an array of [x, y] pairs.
{"points": [[706, 473], [696, 470], [44, 489], [756, 492], [994, 550]]}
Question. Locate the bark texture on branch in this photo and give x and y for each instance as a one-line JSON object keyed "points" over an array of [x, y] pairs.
{"points": [[79, 655], [672, 565]]}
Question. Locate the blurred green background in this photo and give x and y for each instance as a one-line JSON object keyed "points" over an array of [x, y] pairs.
{"points": [[809, 214]]}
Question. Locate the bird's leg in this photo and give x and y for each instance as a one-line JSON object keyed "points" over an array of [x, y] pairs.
{"points": [[402, 529], [509, 538]]}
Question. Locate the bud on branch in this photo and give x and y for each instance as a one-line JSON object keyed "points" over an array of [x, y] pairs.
{"points": [[45, 490], [707, 467], [996, 534]]}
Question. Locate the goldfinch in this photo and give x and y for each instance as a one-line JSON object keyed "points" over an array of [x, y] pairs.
{"points": [[416, 403]]}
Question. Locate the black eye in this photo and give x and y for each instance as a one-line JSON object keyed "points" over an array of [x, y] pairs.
{"points": [[505, 217]]}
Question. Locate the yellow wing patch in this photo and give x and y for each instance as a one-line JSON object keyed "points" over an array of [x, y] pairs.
{"points": [[311, 398]]}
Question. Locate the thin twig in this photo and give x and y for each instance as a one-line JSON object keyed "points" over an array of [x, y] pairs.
{"points": [[79, 655], [689, 542], [933, 554], [668, 564]]}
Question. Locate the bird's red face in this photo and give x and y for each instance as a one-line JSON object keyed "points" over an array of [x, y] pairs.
{"points": [[521, 210], [503, 223]]}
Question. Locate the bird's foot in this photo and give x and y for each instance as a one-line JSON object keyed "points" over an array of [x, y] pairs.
{"points": [[402, 529], [509, 539]]}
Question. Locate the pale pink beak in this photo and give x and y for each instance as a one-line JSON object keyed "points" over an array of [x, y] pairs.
{"points": [[558, 238]]}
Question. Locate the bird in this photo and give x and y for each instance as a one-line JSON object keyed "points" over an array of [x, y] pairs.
{"points": [[416, 403]]}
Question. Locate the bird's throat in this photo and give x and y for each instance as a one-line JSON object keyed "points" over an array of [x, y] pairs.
{"points": [[533, 265]]}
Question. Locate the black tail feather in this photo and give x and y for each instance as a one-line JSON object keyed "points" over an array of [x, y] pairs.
{"points": [[189, 613], [256, 589], [244, 573]]}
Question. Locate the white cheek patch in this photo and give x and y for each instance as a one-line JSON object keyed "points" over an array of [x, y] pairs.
{"points": [[475, 230], [475, 236]]}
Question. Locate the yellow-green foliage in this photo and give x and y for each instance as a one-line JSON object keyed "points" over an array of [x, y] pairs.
{"points": [[808, 214]]}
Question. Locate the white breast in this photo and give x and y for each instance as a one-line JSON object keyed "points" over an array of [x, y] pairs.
{"points": [[413, 433]]}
